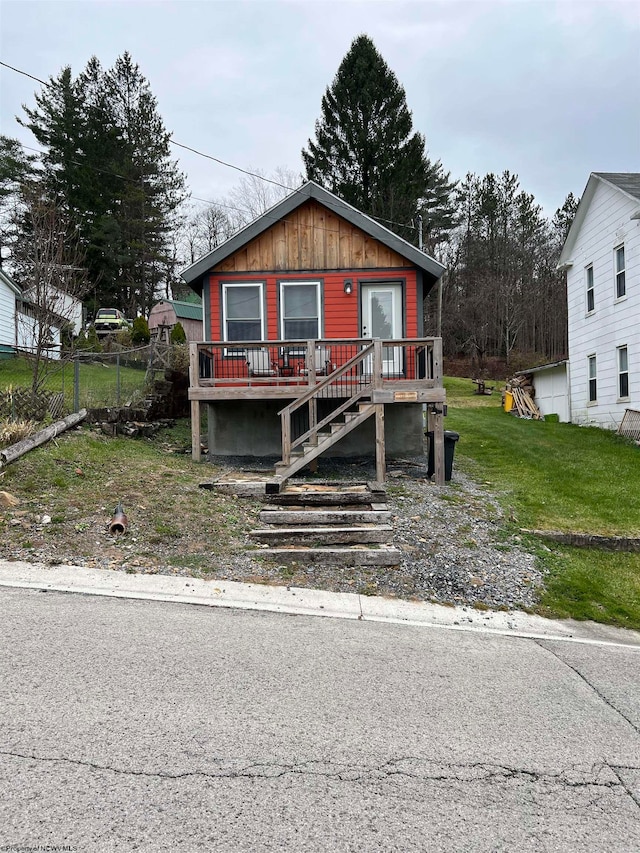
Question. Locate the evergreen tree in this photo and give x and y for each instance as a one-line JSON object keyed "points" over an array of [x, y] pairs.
{"points": [[365, 149], [153, 189], [106, 163], [16, 167]]}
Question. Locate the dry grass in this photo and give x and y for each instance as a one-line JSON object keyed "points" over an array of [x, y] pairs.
{"points": [[13, 431]]}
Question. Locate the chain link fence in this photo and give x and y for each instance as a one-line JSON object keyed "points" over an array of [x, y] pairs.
{"points": [[94, 380]]}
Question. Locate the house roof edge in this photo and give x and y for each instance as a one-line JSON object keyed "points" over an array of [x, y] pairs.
{"points": [[311, 190]]}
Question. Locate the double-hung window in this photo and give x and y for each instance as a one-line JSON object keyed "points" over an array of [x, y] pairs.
{"points": [[243, 311], [592, 378], [591, 299], [623, 372], [300, 316], [621, 285]]}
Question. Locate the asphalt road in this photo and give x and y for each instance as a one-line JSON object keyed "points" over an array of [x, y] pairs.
{"points": [[141, 725]]}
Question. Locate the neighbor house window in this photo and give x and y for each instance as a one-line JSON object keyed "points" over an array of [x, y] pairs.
{"points": [[300, 310], [623, 372], [591, 300], [243, 312], [593, 388], [621, 285]]}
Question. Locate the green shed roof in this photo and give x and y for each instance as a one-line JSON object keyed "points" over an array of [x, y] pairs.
{"points": [[187, 310]]}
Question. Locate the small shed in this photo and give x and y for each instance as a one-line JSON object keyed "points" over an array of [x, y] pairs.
{"points": [[165, 315], [551, 385]]}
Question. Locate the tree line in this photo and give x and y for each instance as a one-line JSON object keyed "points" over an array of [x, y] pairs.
{"points": [[121, 201]]}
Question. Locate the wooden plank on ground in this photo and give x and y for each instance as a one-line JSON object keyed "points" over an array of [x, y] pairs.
{"points": [[319, 517], [361, 534], [346, 498], [385, 555]]}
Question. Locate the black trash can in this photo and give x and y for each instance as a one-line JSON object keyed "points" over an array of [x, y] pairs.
{"points": [[450, 438]]}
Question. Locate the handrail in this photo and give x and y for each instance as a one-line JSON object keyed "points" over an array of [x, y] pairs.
{"points": [[342, 408], [328, 380]]}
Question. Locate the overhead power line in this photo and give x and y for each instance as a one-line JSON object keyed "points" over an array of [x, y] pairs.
{"points": [[200, 154]]}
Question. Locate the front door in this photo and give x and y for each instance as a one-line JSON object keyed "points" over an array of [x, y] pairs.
{"points": [[381, 312]]}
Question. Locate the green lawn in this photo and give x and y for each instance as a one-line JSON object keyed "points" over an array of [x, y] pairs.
{"points": [[553, 476], [98, 381]]}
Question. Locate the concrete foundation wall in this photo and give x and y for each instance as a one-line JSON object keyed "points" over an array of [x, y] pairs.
{"points": [[250, 428]]}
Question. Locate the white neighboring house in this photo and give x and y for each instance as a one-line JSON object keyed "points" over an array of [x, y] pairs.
{"points": [[19, 318], [64, 305], [9, 294], [601, 256], [28, 330]]}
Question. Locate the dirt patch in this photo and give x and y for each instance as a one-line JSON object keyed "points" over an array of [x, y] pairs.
{"points": [[453, 538]]}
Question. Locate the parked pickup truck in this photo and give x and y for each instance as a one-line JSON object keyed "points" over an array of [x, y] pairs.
{"points": [[109, 320]]}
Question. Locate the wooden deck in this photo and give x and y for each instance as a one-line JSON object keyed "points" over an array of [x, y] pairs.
{"points": [[379, 372]]}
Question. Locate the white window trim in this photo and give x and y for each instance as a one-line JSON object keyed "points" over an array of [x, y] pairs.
{"points": [[288, 283], [589, 288], [229, 284], [616, 272], [591, 357], [620, 372]]}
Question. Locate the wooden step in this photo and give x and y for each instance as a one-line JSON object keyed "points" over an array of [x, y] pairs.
{"points": [[382, 555], [344, 497], [274, 515], [361, 534], [311, 452]]}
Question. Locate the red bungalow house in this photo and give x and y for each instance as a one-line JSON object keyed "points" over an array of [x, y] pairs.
{"points": [[314, 344]]}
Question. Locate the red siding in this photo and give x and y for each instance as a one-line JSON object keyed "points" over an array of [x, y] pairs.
{"points": [[340, 311]]}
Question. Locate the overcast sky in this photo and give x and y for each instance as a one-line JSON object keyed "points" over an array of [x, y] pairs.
{"points": [[549, 90]]}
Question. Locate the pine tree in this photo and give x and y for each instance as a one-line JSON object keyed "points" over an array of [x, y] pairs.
{"points": [[365, 149], [107, 165], [16, 167], [153, 189]]}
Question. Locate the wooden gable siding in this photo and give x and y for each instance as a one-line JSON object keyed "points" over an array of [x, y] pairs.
{"points": [[312, 237], [340, 311]]}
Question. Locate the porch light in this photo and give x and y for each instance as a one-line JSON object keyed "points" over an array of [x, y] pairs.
{"points": [[348, 286]]}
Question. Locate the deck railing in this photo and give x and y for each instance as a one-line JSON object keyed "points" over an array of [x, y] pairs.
{"points": [[292, 366]]}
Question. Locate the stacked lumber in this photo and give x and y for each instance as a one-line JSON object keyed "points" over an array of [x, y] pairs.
{"points": [[523, 393]]}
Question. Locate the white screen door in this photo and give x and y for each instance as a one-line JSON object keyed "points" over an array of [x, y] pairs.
{"points": [[382, 318]]}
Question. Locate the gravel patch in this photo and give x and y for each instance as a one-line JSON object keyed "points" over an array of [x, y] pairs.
{"points": [[455, 548], [453, 541]]}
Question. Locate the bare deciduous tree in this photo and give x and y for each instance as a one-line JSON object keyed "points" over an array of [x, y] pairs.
{"points": [[49, 266]]}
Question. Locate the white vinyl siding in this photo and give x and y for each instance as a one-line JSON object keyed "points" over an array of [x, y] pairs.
{"points": [[615, 322], [7, 315]]}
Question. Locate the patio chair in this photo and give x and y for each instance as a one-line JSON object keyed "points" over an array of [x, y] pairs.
{"points": [[323, 362], [260, 363]]}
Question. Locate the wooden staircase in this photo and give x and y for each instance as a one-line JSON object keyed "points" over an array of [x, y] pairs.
{"points": [[351, 387], [320, 442], [333, 524]]}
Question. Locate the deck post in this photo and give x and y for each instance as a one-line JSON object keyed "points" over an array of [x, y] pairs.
{"points": [[438, 446], [313, 402], [285, 428], [438, 418], [380, 444], [381, 451], [437, 361], [195, 404]]}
